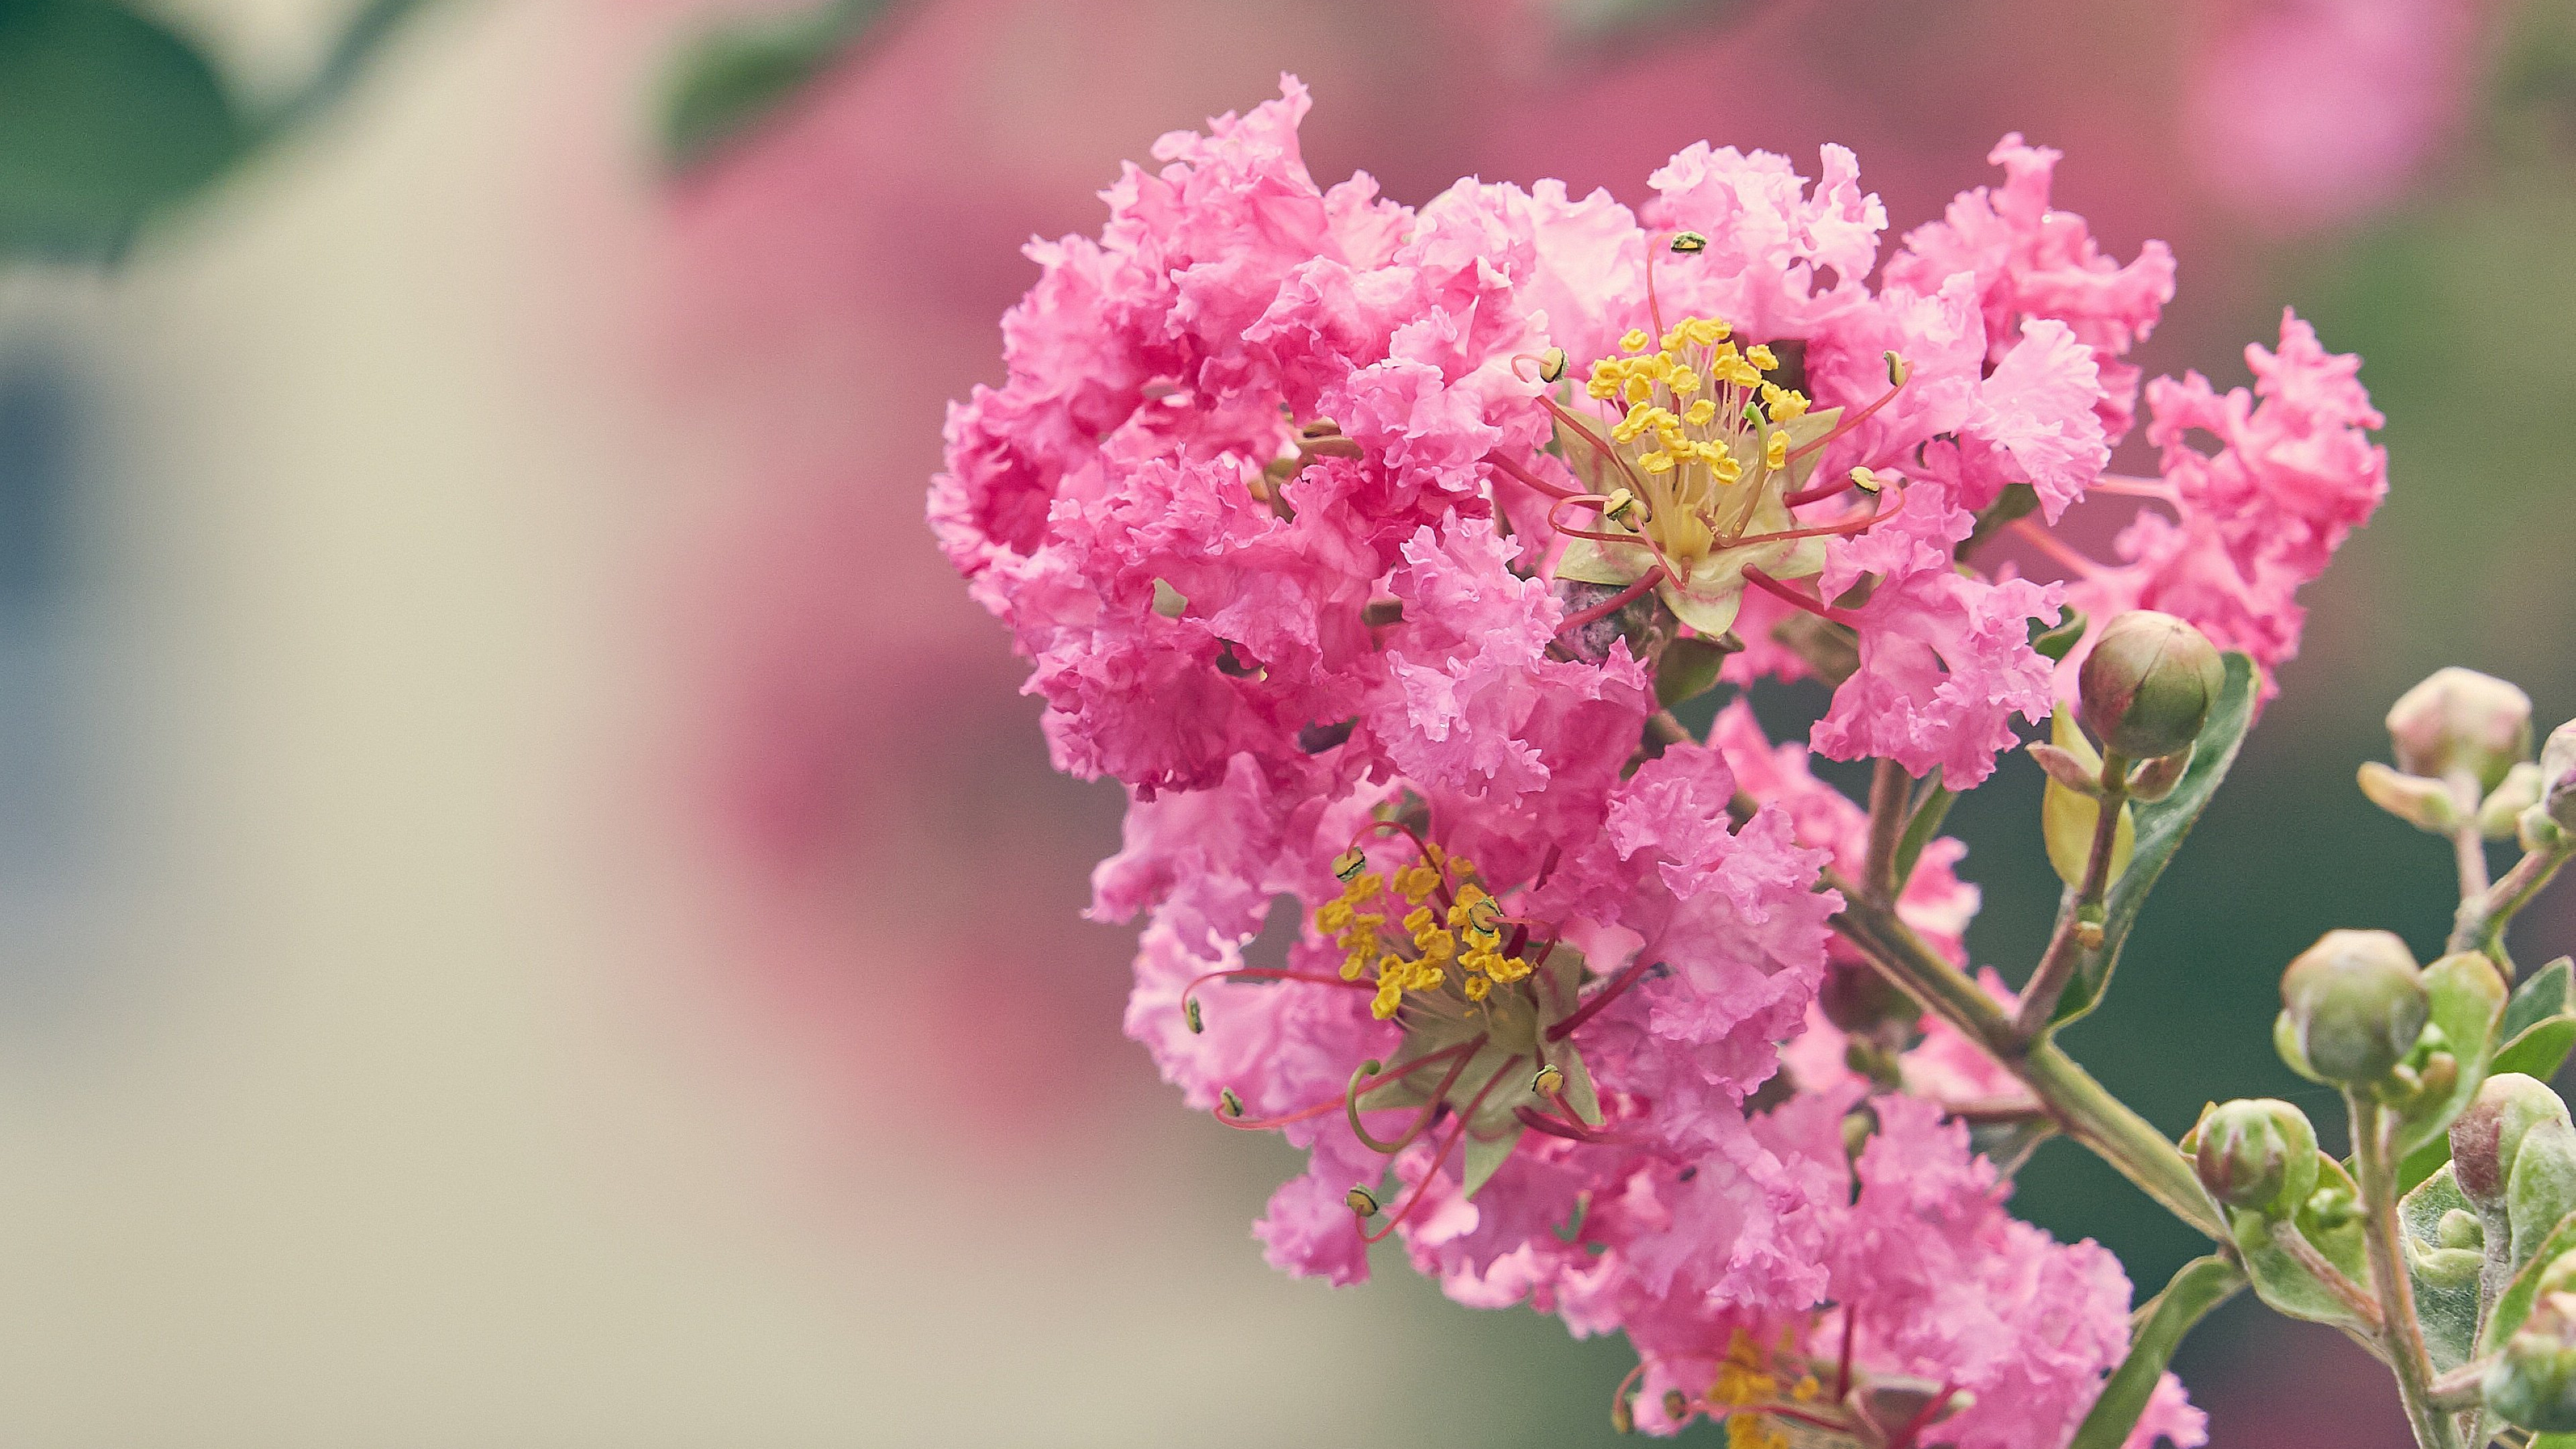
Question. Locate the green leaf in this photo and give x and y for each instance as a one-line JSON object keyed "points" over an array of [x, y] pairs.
{"points": [[106, 119], [2468, 1000], [2513, 1305], [2161, 828], [1922, 826], [362, 38], [2067, 817], [2539, 1023], [2200, 1286], [2281, 1280], [2445, 1305], [737, 76]]}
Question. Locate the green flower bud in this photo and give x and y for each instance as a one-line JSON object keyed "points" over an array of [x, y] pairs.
{"points": [[2352, 1006], [2533, 1381], [2260, 1156], [2460, 1229], [2149, 683], [2488, 1134], [2461, 720]]}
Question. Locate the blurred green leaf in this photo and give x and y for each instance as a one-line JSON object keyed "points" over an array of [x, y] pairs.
{"points": [[105, 118], [2161, 828], [2202, 1285], [734, 78], [361, 38]]}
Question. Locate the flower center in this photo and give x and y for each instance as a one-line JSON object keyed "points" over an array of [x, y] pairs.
{"points": [[1704, 440]]}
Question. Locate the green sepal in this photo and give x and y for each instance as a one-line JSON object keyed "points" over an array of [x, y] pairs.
{"points": [[1688, 669], [2467, 1002], [2161, 828], [2201, 1285], [2446, 1279], [2278, 1278], [2539, 1023]]}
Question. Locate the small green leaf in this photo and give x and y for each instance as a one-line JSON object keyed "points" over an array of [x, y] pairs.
{"points": [[2280, 1280], [2161, 828], [2200, 1286], [2513, 1305], [2056, 642], [739, 75], [2067, 817], [1922, 826], [2539, 1023], [2468, 1000], [106, 119], [2446, 1306]]}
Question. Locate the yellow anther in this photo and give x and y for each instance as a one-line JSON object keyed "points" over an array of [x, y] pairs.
{"points": [[1775, 451], [1636, 340], [1656, 462], [1460, 866], [1420, 920], [1640, 389], [1867, 481], [1897, 371], [1783, 403], [1761, 356], [1701, 413], [1549, 1081], [1551, 364], [1512, 968], [1689, 243], [1349, 864], [1683, 384], [1416, 881], [1355, 963], [1364, 889], [1361, 1201], [1477, 988], [1603, 386], [1333, 916], [1190, 1014], [1806, 1389], [1626, 509], [1233, 1104], [1437, 947]]}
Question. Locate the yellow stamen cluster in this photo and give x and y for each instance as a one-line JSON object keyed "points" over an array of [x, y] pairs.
{"points": [[1745, 1379], [1452, 945], [1699, 415]]}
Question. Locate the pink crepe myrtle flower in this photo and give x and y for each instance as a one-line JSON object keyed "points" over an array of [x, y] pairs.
{"points": [[2294, 474], [1348, 537]]}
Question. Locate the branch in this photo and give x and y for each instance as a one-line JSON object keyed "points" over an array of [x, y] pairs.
{"points": [[2067, 943]]}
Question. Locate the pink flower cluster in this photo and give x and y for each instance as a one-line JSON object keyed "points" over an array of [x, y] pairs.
{"points": [[1274, 498]]}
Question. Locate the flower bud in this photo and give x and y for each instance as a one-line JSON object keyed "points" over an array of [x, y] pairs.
{"points": [[2149, 683], [2260, 1156], [2422, 803], [2557, 781], [2541, 1190], [2487, 1136], [2461, 720], [2352, 1006], [2533, 1381]]}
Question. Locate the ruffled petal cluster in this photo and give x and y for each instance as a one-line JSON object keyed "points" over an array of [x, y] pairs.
{"points": [[1283, 497]]}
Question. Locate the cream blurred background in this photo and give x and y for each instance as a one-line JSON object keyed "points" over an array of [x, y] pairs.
{"points": [[364, 1079]]}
